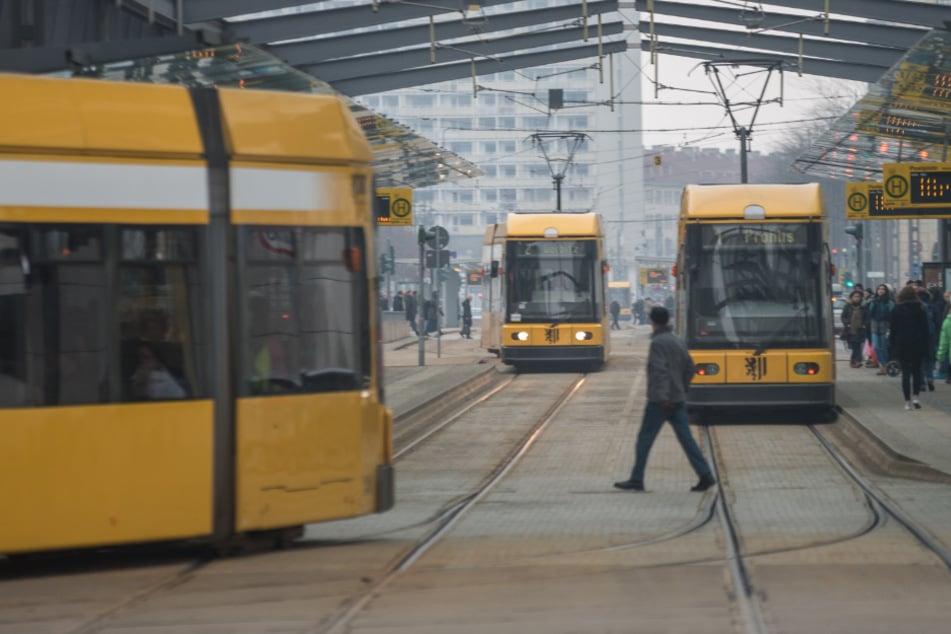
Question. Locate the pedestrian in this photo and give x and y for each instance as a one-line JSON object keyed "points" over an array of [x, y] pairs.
{"points": [[669, 372], [398, 302], [431, 311], [409, 303], [927, 364], [908, 341], [615, 310], [467, 317], [879, 316], [944, 343], [854, 317], [638, 311]]}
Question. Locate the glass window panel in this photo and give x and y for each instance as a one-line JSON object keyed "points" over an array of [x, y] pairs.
{"points": [[552, 280], [307, 325], [754, 285]]}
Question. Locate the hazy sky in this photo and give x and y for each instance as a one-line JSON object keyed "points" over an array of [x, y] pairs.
{"points": [[686, 82]]}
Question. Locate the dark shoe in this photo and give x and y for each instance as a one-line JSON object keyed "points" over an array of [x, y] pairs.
{"points": [[629, 485], [706, 481]]}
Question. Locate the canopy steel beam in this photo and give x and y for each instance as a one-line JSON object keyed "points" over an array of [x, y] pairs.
{"points": [[422, 76], [903, 37], [420, 57], [823, 68], [201, 10], [312, 52], [928, 15], [50, 59], [839, 51], [300, 25]]}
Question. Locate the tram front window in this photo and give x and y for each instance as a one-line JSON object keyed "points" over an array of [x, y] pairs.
{"points": [[552, 281], [754, 286], [306, 315]]}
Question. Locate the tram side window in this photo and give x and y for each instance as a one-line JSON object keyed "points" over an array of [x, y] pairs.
{"points": [[307, 322], [53, 336], [158, 279]]}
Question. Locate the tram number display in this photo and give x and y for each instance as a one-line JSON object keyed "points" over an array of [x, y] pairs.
{"points": [[930, 187], [555, 248], [755, 235]]}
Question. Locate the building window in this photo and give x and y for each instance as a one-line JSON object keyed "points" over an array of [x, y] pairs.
{"points": [[507, 147], [421, 101], [507, 171], [489, 147], [391, 101], [487, 123], [490, 195], [506, 123]]}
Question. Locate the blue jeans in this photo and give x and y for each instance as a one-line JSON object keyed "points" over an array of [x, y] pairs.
{"points": [[654, 418], [880, 343]]}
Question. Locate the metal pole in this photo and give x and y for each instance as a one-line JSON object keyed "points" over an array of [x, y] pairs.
{"points": [[436, 304], [744, 134], [419, 302], [558, 193]]}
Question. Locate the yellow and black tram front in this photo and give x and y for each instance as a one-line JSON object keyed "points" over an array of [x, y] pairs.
{"points": [[554, 302], [756, 315]]}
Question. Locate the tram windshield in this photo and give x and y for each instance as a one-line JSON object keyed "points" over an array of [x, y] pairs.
{"points": [[552, 281], [755, 285]]}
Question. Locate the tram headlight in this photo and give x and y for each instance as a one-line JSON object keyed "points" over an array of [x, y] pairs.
{"points": [[708, 369], [583, 335], [809, 369], [521, 335]]}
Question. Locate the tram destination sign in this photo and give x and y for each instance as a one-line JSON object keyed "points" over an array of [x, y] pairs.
{"points": [[922, 186]]}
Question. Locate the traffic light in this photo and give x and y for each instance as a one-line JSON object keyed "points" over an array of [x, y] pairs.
{"points": [[855, 231], [847, 280]]}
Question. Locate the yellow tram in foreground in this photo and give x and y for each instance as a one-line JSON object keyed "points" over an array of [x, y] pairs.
{"points": [[754, 278], [544, 285], [186, 315]]}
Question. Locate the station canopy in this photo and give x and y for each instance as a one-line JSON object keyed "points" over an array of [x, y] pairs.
{"points": [[359, 47], [905, 117], [349, 47]]}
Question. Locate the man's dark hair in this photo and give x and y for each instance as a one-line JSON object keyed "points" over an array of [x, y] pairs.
{"points": [[659, 315]]}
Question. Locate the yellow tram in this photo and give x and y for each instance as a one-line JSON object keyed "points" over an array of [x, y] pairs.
{"points": [[187, 331], [544, 286], [754, 279]]}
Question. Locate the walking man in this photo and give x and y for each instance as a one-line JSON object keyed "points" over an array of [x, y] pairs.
{"points": [[669, 372]]}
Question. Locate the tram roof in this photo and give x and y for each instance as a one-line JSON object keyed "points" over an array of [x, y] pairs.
{"points": [[568, 225], [88, 116], [707, 202]]}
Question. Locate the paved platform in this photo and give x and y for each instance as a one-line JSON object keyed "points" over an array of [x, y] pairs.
{"points": [[875, 401]]}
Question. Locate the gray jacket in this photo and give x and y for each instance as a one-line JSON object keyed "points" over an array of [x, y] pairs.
{"points": [[669, 368]]}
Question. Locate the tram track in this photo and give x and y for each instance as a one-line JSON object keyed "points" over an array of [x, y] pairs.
{"points": [[448, 518], [879, 506], [882, 505]]}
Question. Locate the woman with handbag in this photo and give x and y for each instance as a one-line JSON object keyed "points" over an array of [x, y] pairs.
{"points": [[908, 342]]}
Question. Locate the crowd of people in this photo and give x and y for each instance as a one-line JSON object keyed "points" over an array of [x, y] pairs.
{"points": [[910, 328]]}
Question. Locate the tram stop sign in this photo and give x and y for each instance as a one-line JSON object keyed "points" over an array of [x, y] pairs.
{"points": [[437, 237]]}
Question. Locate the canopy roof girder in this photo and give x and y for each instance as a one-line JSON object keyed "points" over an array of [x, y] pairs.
{"points": [[448, 72], [813, 48], [810, 66], [419, 58], [315, 51]]}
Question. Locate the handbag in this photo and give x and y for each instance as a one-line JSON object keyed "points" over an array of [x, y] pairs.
{"points": [[844, 333]]}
